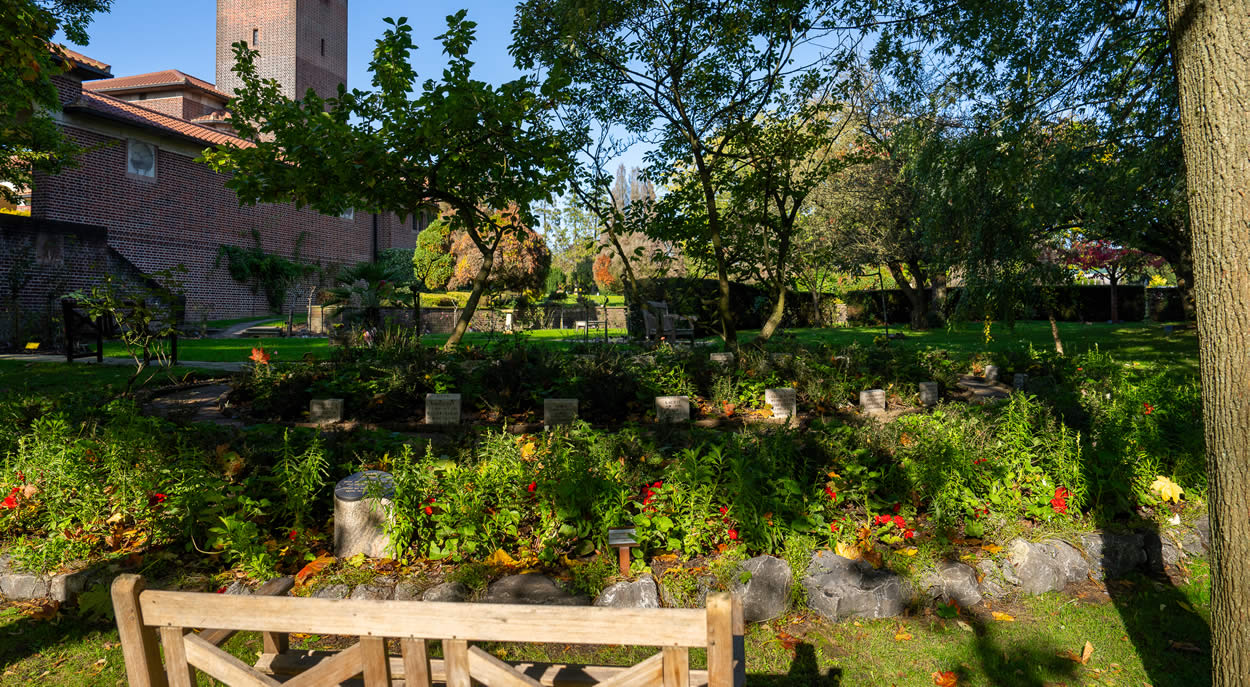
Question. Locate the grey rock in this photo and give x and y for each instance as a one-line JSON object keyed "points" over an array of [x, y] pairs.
{"points": [[447, 592], [993, 585], [531, 589], [408, 590], [23, 586], [1043, 567], [67, 586], [764, 584], [840, 588], [237, 588], [332, 591], [1191, 542], [1203, 525], [1113, 555], [641, 593], [952, 581], [373, 592]]}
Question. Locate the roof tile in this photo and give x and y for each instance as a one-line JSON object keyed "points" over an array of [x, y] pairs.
{"points": [[108, 106]]}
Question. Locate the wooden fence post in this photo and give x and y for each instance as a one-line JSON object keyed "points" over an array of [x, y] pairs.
{"points": [[139, 648]]}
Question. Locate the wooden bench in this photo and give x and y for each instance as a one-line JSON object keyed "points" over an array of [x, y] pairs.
{"points": [[143, 615]]}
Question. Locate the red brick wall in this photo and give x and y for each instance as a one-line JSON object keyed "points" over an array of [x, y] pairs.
{"points": [[289, 41], [184, 215], [318, 20], [176, 106]]}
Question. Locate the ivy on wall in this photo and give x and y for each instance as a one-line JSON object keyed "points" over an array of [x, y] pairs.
{"points": [[261, 271]]}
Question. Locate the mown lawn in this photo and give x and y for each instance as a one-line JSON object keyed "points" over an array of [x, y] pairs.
{"points": [[1145, 632], [51, 380]]}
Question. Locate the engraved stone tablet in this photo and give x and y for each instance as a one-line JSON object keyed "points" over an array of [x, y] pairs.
{"points": [[991, 373], [872, 401], [359, 520], [723, 359], [442, 409], [1019, 381], [325, 410], [672, 409], [929, 393], [784, 402], [559, 411]]}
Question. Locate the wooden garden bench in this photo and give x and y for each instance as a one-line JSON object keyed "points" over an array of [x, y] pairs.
{"points": [[144, 615]]}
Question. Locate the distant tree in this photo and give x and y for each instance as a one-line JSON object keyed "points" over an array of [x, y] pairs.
{"points": [[432, 261], [1113, 262], [522, 260], [30, 140]]}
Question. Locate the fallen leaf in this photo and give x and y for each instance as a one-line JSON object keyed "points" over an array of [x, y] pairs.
{"points": [[1002, 617], [319, 564], [909, 551], [1187, 647], [29, 491], [1167, 489], [991, 548], [902, 635], [847, 550], [788, 641], [963, 626], [500, 558], [946, 679], [1083, 658], [114, 519]]}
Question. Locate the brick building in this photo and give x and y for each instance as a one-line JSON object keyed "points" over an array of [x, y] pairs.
{"points": [[138, 179]]}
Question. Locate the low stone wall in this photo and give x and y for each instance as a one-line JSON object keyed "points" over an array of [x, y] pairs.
{"points": [[443, 320]]}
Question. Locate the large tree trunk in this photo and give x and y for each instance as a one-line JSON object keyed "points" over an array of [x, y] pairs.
{"points": [[1114, 278], [917, 296], [1213, 74], [728, 332], [1054, 331], [779, 281]]}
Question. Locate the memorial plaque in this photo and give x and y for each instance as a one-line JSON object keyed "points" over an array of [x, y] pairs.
{"points": [[324, 411], [929, 393], [784, 402], [991, 373], [360, 521], [723, 359], [622, 536], [872, 401], [442, 409], [559, 411], [1019, 381], [672, 409]]}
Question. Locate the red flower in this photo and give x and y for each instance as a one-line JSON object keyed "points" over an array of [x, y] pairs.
{"points": [[658, 484], [532, 487], [896, 506], [881, 519], [10, 501], [221, 591], [1062, 493], [293, 535], [21, 476], [724, 509], [733, 534], [909, 534], [1147, 409], [259, 356], [429, 511], [899, 522], [833, 528], [833, 495], [155, 499], [1060, 502]]}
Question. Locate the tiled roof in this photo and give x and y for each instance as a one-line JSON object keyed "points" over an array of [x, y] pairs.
{"points": [[214, 116], [83, 60], [168, 77], [121, 110]]}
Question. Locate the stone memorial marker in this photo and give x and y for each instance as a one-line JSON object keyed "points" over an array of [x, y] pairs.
{"points": [[872, 401], [722, 359], [784, 402], [623, 539], [929, 393], [559, 411], [1020, 381], [324, 411], [991, 373], [359, 520], [672, 409], [442, 409]]}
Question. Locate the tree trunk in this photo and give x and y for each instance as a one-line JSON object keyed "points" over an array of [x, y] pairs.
{"points": [[479, 286], [1113, 278], [1213, 74], [779, 302], [818, 317], [774, 318], [938, 304], [917, 296], [1054, 331]]}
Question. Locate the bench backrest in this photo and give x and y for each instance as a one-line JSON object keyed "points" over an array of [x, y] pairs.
{"points": [[143, 614]]}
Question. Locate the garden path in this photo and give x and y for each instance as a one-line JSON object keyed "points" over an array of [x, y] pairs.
{"points": [[124, 362]]}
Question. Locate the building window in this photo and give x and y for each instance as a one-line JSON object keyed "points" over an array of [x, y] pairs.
{"points": [[422, 219], [255, 37], [323, 47], [141, 159], [349, 213]]}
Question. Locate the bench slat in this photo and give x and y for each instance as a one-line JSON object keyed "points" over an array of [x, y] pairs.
{"points": [[419, 619]]}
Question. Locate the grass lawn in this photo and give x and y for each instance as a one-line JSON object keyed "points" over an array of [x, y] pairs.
{"points": [[105, 381], [431, 300], [1144, 632]]}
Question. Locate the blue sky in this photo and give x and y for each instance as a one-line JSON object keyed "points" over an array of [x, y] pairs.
{"points": [[140, 36]]}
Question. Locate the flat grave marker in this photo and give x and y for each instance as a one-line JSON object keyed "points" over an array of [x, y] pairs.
{"points": [[929, 393], [1020, 381], [324, 411], [442, 409], [784, 402], [672, 409], [991, 373], [559, 411], [724, 359], [872, 401]]}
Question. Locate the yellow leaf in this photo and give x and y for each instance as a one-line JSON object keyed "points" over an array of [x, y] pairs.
{"points": [[991, 548], [1167, 489], [1002, 617], [909, 551], [945, 679], [902, 636], [500, 559], [528, 450], [847, 550], [114, 519]]}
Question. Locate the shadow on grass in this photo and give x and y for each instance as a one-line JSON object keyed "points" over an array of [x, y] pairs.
{"points": [[804, 670]]}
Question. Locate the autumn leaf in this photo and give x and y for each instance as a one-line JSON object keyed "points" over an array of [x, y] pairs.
{"points": [[1086, 652], [945, 679], [788, 641], [991, 548], [301, 577], [1167, 489], [528, 450], [847, 550], [500, 558], [1002, 617], [902, 635], [909, 551]]}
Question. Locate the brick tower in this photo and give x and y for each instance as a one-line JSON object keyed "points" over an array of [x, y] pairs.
{"points": [[302, 43]]}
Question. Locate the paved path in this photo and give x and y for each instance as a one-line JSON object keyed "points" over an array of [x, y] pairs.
{"points": [[123, 362], [235, 330]]}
